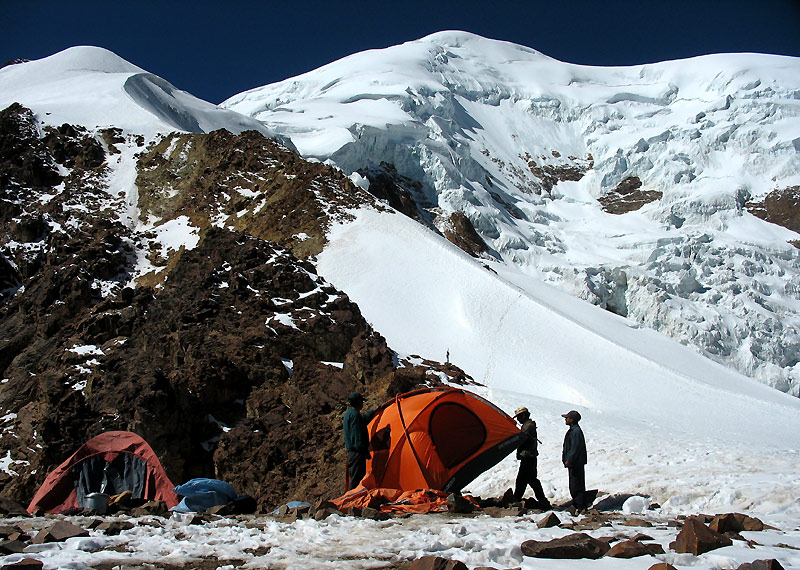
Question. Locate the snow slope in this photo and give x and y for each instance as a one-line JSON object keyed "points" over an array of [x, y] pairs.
{"points": [[525, 146], [660, 419], [95, 88]]}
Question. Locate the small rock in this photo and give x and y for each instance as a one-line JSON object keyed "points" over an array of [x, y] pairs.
{"points": [[573, 546], [437, 563], [637, 522], [11, 508], [768, 564], [548, 521], [157, 508], [7, 530], [458, 504], [634, 548], [374, 514], [750, 524], [725, 523], [12, 546], [29, 563], [662, 566], [59, 531], [113, 528]]}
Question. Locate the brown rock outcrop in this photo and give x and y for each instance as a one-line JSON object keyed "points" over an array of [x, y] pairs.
{"points": [[627, 197]]}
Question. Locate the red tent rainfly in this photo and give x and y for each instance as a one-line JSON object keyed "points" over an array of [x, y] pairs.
{"points": [[435, 438], [112, 462]]}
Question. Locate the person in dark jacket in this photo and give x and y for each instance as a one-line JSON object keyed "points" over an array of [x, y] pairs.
{"points": [[574, 458], [356, 439], [527, 453]]}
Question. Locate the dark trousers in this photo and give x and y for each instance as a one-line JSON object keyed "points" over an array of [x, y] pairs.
{"points": [[528, 475], [577, 486], [356, 468]]}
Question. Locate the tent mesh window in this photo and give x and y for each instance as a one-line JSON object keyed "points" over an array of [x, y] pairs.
{"points": [[456, 432]]}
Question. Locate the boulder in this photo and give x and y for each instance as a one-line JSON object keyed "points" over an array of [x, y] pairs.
{"points": [[437, 563], [548, 521], [696, 538], [633, 548], [573, 546], [637, 522], [59, 531]]}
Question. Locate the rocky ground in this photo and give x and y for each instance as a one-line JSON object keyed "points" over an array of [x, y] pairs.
{"points": [[506, 535]]}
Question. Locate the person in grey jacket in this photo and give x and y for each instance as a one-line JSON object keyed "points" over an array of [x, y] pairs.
{"points": [[573, 456], [527, 453], [356, 439]]}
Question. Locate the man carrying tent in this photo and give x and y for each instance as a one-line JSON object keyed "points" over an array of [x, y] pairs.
{"points": [[527, 453], [356, 439], [574, 458]]}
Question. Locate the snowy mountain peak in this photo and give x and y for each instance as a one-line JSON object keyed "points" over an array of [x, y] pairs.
{"points": [[77, 59], [97, 89], [632, 187]]}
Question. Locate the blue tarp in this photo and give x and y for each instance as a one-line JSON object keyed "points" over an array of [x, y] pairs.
{"points": [[201, 494]]}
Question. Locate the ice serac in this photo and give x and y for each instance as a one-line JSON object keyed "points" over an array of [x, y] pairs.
{"points": [[95, 88], [640, 189]]}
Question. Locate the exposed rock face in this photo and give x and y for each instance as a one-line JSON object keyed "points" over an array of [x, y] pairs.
{"points": [[780, 207], [549, 175], [232, 359], [459, 230], [385, 183], [628, 196], [247, 182]]}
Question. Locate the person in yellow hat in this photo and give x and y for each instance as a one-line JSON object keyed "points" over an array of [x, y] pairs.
{"points": [[528, 453]]}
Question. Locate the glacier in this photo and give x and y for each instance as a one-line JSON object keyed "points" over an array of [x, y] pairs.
{"points": [[530, 149]]}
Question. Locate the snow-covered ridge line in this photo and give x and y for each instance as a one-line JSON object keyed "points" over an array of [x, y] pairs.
{"points": [[94, 88]]}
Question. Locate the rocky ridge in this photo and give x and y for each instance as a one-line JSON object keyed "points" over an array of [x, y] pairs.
{"points": [[232, 357]]}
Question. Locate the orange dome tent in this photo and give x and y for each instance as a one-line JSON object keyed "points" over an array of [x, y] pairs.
{"points": [[113, 462], [436, 438]]}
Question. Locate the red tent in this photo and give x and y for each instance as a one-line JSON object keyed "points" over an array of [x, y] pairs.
{"points": [[434, 438], [111, 462]]}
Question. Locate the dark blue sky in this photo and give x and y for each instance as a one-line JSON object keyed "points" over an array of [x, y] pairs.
{"points": [[217, 49]]}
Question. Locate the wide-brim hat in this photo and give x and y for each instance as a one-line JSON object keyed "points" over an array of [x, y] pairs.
{"points": [[355, 397], [573, 415], [520, 411]]}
